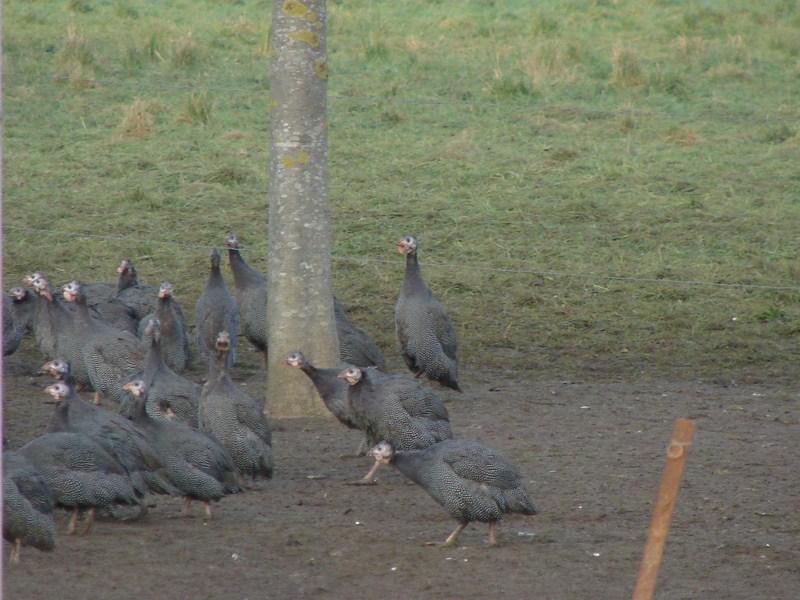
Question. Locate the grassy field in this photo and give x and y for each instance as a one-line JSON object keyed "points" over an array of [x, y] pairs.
{"points": [[600, 189]]}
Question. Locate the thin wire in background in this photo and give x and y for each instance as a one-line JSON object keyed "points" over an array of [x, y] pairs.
{"points": [[527, 269]]}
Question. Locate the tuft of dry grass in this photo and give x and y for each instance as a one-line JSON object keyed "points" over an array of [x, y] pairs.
{"points": [[552, 60], [626, 70], [76, 60], [682, 137], [197, 109], [726, 70], [137, 121], [693, 47], [185, 51]]}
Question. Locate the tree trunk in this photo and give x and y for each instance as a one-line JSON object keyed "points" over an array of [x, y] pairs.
{"points": [[300, 299]]}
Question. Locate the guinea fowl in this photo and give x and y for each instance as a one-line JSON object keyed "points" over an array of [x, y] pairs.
{"points": [[163, 384], [332, 390], [111, 356], [234, 418], [55, 328], [81, 474], [380, 411], [330, 387], [197, 464], [140, 299], [12, 330], [27, 506], [472, 482], [23, 307], [215, 311], [424, 330], [355, 346], [42, 324], [116, 434], [174, 338], [250, 289]]}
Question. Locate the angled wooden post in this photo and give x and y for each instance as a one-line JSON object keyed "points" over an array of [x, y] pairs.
{"points": [[678, 448]]}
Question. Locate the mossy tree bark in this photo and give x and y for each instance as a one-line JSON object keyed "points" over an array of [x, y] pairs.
{"points": [[300, 300]]}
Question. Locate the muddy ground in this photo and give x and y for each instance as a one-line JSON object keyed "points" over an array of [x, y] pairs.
{"points": [[592, 454]]}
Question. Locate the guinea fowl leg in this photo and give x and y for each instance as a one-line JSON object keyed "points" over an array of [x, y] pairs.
{"points": [[89, 522], [452, 539], [208, 509], [73, 521], [369, 478], [14, 555], [493, 533], [187, 507], [96, 398]]}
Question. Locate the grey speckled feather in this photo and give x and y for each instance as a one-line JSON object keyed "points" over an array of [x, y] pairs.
{"points": [[118, 436], [381, 414], [27, 504], [111, 356], [424, 330], [79, 471], [215, 311], [236, 420], [472, 482], [174, 337], [355, 346], [196, 463], [250, 288]]}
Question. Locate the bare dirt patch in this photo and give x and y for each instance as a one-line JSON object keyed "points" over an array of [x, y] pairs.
{"points": [[592, 455]]}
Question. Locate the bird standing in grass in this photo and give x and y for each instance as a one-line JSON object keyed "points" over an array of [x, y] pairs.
{"points": [[424, 330]]}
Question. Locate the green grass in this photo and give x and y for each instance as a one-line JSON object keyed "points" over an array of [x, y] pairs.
{"points": [[547, 155]]}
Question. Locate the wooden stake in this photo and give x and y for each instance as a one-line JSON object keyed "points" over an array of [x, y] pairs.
{"points": [[682, 436]]}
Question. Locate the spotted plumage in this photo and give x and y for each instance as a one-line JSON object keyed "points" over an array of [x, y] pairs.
{"points": [[116, 434], [250, 289], [424, 329], [196, 463], [174, 336], [27, 506], [81, 474], [234, 418], [355, 346], [385, 410], [470, 481], [164, 385], [215, 311], [111, 356]]}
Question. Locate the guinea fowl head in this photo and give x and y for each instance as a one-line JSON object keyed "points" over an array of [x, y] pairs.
{"points": [[125, 266], [165, 290], [40, 285], [383, 452], [352, 375], [29, 279], [71, 291], [135, 388], [214, 256], [407, 245], [127, 275], [223, 343], [18, 294], [231, 241], [57, 369], [296, 359], [57, 391]]}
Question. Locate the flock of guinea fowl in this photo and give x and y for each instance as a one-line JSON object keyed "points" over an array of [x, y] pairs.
{"points": [[150, 430]]}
